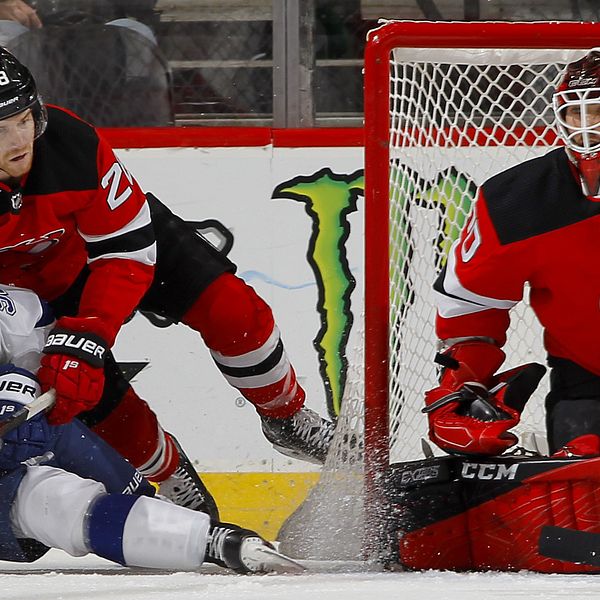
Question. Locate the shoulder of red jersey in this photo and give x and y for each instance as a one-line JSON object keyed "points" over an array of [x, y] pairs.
{"points": [[65, 156], [535, 197]]}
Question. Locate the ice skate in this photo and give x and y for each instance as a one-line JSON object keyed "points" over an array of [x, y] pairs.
{"points": [[244, 551], [185, 488], [305, 435]]}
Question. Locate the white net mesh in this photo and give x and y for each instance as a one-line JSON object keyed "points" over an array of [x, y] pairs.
{"points": [[457, 117], [454, 125], [329, 524]]}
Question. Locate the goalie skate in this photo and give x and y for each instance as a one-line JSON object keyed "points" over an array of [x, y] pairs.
{"points": [[244, 551]]}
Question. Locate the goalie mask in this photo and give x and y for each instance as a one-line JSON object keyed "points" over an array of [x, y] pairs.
{"points": [[577, 109], [18, 92]]}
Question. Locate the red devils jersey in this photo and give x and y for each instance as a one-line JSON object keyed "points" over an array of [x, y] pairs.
{"points": [[532, 224], [79, 205]]}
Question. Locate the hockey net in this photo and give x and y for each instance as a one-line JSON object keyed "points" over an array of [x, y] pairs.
{"points": [[447, 105]]}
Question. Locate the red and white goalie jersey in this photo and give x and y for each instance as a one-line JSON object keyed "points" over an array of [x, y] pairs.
{"points": [[79, 206], [530, 224]]}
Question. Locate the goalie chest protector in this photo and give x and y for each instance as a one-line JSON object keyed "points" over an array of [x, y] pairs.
{"points": [[487, 514]]}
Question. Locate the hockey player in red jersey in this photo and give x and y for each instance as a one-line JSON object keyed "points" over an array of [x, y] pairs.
{"points": [[77, 229], [535, 223]]}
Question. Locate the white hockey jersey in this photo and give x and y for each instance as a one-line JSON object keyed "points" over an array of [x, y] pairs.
{"points": [[25, 322]]}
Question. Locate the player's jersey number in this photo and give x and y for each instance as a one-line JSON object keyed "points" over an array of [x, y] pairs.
{"points": [[112, 180], [472, 239]]}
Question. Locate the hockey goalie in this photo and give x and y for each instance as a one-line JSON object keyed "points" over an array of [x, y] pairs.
{"points": [[537, 223]]}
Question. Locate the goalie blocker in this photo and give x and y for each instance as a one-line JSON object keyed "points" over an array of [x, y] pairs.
{"points": [[476, 514], [474, 406]]}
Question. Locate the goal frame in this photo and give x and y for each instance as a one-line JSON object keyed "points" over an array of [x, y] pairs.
{"points": [[380, 43]]}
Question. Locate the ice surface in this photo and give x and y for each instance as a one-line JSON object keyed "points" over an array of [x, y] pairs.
{"points": [[60, 577]]}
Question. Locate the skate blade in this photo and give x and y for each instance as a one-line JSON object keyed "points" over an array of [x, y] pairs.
{"points": [[272, 561], [297, 455]]}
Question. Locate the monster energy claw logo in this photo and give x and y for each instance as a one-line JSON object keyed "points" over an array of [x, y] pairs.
{"points": [[328, 200]]}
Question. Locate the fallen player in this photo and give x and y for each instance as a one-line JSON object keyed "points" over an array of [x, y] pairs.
{"points": [[61, 486]]}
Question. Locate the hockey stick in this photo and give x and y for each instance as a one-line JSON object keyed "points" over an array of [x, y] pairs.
{"points": [[570, 545], [41, 403]]}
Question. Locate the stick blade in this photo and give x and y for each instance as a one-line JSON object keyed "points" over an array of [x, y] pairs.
{"points": [[570, 545]]}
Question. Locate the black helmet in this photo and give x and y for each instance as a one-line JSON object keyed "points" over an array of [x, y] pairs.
{"points": [[18, 91]]}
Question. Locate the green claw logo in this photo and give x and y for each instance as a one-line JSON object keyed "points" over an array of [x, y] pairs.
{"points": [[455, 193], [328, 200], [450, 193]]}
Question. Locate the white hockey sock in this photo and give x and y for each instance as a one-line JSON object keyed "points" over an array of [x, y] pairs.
{"points": [[147, 532]]}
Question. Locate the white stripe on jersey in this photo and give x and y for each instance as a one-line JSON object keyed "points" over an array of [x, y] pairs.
{"points": [[142, 219], [458, 300], [146, 256]]}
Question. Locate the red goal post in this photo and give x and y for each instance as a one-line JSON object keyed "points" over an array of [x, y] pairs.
{"points": [[438, 95]]}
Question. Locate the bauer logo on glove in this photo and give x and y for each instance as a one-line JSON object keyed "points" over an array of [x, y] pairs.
{"points": [[73, 364], [88, 346]]}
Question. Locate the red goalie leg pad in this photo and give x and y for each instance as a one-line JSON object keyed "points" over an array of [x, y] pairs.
{"points": [[133, 430], [585, 445], [506, 530], [235, 321], [491, 518], [444, 545]]}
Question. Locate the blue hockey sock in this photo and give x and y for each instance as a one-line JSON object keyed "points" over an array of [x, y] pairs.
{"points": [[106, 524]]}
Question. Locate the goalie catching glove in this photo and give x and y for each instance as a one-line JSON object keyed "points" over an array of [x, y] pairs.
{"points": [[472, 409], [73, 364]]}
